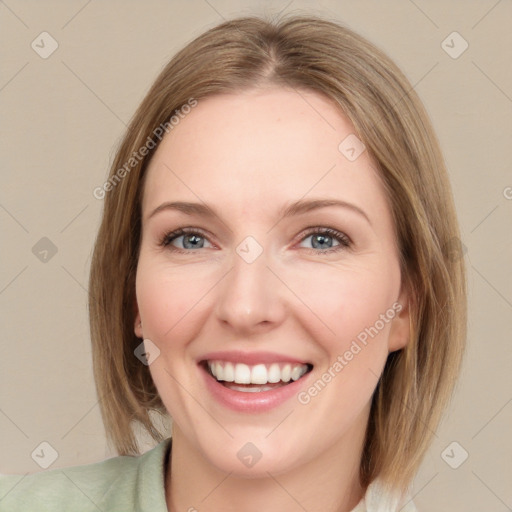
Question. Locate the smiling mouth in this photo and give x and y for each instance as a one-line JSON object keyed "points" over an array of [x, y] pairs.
{"points": [[255, 378]]}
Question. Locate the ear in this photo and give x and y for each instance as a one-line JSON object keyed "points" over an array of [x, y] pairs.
{"points": [[137, 327], [400, 332]]}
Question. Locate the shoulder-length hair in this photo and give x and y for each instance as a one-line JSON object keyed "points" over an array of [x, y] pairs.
{"points": [[314, 54]]}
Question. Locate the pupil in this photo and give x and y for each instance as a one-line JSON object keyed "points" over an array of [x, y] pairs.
{"points": [[191, 241], [322, 239]]}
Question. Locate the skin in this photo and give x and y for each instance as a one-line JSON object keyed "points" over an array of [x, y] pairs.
{"points": [[247, 156]]}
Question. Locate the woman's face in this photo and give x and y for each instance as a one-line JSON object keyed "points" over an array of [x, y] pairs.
{"points": [[270, 320]]}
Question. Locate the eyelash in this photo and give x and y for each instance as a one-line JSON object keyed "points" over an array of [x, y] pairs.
{"points": [[344, 240]]}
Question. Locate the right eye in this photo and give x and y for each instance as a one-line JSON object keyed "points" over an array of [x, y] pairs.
{"points": [[184, 240]]}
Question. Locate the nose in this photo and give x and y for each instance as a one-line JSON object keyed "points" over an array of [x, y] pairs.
{"points": [[250, 299]]}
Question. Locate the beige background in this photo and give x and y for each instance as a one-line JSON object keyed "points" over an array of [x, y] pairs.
{"points": [[61, 118]]}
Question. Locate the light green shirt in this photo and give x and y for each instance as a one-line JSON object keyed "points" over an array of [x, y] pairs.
{"points": [[124, 484]]}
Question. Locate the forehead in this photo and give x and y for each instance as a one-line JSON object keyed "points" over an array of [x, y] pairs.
{"points": [[275, 145]]}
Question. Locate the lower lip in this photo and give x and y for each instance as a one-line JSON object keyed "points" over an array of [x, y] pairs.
{"points": [[241, 401]]}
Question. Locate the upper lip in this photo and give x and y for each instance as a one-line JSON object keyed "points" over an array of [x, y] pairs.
{"points": [[250, 358]]}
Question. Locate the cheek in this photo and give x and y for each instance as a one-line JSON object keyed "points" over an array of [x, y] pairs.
{"points": [[352, 303], [348, 302], [167, 297], [170, 305]]}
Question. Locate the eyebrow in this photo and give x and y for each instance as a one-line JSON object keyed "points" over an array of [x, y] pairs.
{"points": [[299, 207]]}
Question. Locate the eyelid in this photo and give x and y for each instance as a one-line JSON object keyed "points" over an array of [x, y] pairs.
{"points": [[325, 229]]}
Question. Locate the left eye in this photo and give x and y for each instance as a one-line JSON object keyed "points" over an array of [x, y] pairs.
{"points": [[327, 240]]}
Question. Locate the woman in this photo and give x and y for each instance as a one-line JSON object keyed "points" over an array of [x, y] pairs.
{"points": [[274, 270]]}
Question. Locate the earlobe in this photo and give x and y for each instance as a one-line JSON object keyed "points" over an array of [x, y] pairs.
{"points": [[400, 332], [137, 327]]}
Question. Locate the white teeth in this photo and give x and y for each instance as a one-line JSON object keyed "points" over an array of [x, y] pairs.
{"points": [[274, 373], [240, 373], [219, 371], [286, 373], [296, 373], [229, 372], [259, 374]]}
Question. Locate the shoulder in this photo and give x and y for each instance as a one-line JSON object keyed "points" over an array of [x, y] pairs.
{"points": [[118, 483], [378, 498]]}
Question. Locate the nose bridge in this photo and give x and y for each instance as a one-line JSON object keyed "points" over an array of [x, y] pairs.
{"points": [[249, 296]]}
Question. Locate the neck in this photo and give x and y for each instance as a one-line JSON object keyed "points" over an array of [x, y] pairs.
{"points": [[329, 482]]}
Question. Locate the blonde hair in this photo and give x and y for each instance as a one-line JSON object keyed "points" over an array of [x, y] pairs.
{"points": [[303, 53]]}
